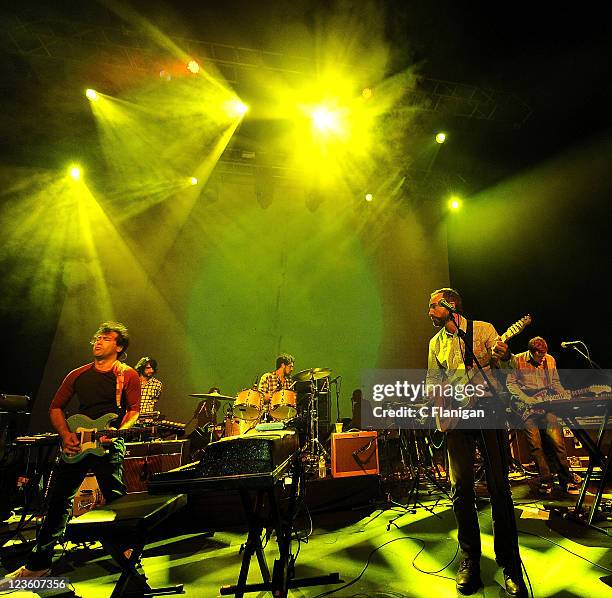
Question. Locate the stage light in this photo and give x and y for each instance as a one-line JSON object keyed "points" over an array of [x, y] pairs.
{"points": [[323, 119], [369, 197], [236, 108], [440, 138], [91, 94], [454, 203], [193, 180], [75, 172], [366, 93], [193, 66]]}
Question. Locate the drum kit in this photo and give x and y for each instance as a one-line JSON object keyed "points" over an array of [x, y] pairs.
{"points": [[251, 407]]}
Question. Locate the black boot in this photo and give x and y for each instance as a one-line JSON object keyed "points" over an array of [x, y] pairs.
{"points": [[515, 585], [468, 577]]}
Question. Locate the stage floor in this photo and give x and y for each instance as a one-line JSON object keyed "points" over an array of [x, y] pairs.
{"points": [[385, 550]]}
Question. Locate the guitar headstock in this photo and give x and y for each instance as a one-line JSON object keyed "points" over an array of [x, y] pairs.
{"points": [[517, 327]]}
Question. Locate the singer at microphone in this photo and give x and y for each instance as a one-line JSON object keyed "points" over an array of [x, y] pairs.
{"points": [[444, 303]]}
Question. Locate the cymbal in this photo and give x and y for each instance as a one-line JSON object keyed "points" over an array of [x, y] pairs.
{"points": [[211, 396], [311, 374]]}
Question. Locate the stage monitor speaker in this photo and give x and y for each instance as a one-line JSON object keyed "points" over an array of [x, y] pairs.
{"points": [[354, 453], [143, 459]]}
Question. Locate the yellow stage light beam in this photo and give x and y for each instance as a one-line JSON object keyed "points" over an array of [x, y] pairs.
{"points": [[369, 197], [440, 138], [235, 108], [454, 202], [193, 180], [91, 94]]}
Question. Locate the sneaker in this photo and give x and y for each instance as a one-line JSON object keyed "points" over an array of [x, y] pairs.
{"points": [[23, 572], [545, 488]]}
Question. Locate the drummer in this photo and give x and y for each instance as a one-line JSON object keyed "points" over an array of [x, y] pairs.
{"points": [[280, 378]]}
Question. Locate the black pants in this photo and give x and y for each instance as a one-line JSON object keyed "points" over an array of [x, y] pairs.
{"points": [[545, 439], [461, 452], [65, 483]]}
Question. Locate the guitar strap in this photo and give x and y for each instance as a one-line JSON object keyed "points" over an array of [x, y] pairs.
{"points": [[546, 372], [119, 371], [468, 359]]}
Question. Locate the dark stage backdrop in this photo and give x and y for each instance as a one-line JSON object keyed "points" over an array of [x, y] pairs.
{"points": [[215, 286], [539, 243]]}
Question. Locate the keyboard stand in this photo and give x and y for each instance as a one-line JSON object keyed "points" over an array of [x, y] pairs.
{"points": [[282, 578], [132, 516]]}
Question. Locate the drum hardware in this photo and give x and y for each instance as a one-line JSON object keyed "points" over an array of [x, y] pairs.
{"points": [[314, 449], [212, 396], [311, 374]]}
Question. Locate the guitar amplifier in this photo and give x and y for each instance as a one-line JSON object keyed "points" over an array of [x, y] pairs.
{"points": [[143, 459], [354, 453]]}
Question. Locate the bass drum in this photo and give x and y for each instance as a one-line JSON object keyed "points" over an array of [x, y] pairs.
{"points": [[235, 426]]}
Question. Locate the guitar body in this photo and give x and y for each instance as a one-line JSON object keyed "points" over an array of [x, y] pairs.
{"points": [[88, 430], [446, 423]]}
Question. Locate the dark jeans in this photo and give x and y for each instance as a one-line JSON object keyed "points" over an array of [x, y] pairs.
{"points": [[545, 438], [493, 445], [67, 477]]}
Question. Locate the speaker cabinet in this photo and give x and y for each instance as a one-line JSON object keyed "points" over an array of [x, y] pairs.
{"points": [[143, 459], [354, 453]]}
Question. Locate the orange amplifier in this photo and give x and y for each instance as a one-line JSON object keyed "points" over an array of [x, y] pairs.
{"points": [[354, 453]]}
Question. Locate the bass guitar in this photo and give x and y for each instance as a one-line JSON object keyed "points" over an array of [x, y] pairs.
{"points": [[526, 406]]}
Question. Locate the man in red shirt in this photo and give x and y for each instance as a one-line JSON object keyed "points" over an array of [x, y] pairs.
{"points": [[104, 386]]}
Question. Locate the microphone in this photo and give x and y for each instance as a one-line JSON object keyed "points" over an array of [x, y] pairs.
{"points": [[566, 344], [444, 303]]}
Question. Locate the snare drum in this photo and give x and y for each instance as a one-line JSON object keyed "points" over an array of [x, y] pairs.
{"points": [[283, 404], [249, 403]]}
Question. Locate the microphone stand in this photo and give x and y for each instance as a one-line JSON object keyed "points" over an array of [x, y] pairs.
{"points": [[499, 439], [587, 356]]}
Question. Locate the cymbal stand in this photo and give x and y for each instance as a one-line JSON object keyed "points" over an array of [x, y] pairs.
{"points": [[314, 449]]}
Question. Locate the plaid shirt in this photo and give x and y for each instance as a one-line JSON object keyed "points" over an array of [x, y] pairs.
{"points": [[531, 377], [149, 394], [269, 383]]}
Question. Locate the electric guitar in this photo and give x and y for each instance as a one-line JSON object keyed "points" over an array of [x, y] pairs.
{"points": [[445, 423], [90, 431], [527, 406]]}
